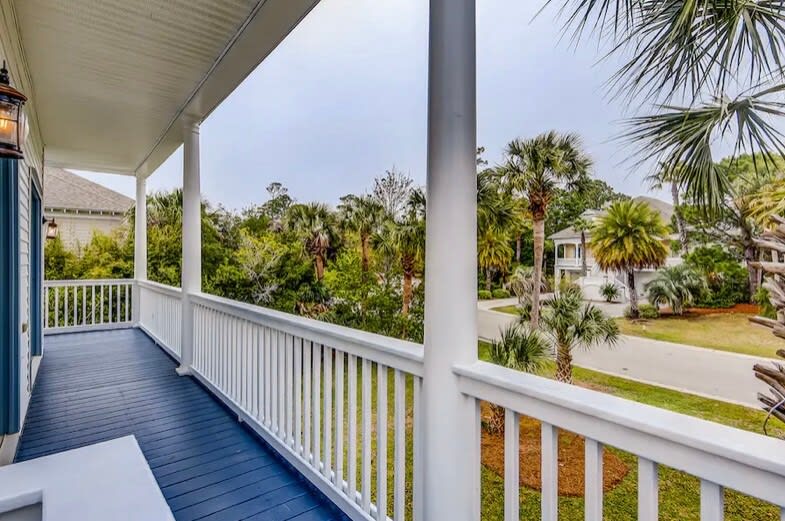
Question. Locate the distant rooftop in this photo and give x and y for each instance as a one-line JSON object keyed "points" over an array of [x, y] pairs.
{"points": [[661, 207], [67, 191]]}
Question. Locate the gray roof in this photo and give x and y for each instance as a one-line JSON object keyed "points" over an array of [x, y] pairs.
{"points": [[66, 191], [661, 207]]}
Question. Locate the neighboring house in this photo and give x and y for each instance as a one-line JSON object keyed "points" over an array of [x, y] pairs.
{"points": [[569, 256], [81, 207]]}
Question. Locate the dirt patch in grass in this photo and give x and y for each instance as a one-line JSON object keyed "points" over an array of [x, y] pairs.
{"points": [[571, 459]]}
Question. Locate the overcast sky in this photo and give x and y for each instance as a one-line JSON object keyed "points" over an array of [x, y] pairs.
{"points": [[343, 98]]}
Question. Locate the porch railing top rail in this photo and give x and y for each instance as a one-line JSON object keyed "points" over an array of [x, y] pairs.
{"points": [[744, 461], [399, 354], [161, 288], [84, 282]]}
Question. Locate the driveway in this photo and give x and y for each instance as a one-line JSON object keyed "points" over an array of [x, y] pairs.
{"points": [[706, 372]]}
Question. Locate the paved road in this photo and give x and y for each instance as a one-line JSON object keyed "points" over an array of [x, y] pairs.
{"points": [[716, 374]]}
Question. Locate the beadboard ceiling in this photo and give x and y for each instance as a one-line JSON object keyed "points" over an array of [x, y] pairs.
{"points": [[112, 79]]}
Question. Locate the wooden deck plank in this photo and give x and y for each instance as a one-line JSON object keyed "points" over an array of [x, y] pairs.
{"points": [[97, 386]]}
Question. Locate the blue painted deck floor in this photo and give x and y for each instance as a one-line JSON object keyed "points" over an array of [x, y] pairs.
{"points": [[98, 386]]}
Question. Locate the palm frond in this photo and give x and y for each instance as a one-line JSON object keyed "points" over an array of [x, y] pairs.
{"points": [[682, 138], [682, 46]]}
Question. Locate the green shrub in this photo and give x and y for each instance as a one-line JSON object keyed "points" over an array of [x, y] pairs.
{"points": [[645, 311], [500, 293], [484, 294], [609, 291], [761, 298], [725, 277], [566, 285]]}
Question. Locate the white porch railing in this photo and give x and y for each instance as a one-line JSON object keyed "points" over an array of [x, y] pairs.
{"points": [[313, 391], [719, 456], [160, 314], [78, 305]]}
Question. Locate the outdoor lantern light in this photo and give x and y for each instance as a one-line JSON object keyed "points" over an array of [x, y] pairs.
{"points": [[13, 126], [51, 228]]}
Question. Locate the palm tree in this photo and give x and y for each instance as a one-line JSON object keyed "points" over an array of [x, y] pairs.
{"points": [[699, 52], [570, 323], [318, 229], [493, 253], [405, 239], [673, 177], [520, 349], [676, 287], [364, 215], [629, 236], [536, 168]]}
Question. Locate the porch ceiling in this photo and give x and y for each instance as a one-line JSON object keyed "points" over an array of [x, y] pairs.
{"points": [[112, 79]]}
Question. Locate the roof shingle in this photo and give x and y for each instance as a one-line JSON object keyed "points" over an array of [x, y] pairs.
{"points": [[67, 191]]}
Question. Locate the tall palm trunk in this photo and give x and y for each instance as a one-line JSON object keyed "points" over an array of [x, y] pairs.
{"points": [[752, 272], [584, 267], [365, 246], [564, 364], [319, 260], [681, 227], [539, 247], [518, 249], [408, 276], [488, 279], [634, 313]]}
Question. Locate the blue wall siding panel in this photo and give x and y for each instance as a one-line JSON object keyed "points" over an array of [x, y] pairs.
{"points": [[9, 296]]}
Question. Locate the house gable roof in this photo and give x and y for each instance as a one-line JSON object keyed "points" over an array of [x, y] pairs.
{"points": [[67, 191], [661, 207]]}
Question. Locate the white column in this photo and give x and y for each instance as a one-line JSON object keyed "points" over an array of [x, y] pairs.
{"points": [[450, 419], [140, 244], [192, 239]]}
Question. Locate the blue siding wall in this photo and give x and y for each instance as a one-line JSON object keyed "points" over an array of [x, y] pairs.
{"points": [[9, 296]]}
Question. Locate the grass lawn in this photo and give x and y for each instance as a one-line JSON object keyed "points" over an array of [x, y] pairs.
{"points": [[510, 310], [723, 331], [679, 492]]}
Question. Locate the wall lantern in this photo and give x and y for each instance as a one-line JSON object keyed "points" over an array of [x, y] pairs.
{"points": [[51, 228], [13, 125]]}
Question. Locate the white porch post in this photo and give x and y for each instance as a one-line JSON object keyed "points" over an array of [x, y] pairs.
{"points": [[140, 245], [450, 419], [192, 239]]}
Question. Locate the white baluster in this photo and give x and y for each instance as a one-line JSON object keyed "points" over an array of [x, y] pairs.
{"points": [[512, 465], [289, 348], [550, 472], [381, 441], [648, 490], [712, 502], [351, 456], [298, 395], [274, 373], [65, 306], [76, 307], [109, 302], [280, 392], [593, 480], [399, 445], [84, 305], [307, 399], [339, 383], [366, 435], [327, 397], [317, 405]]}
